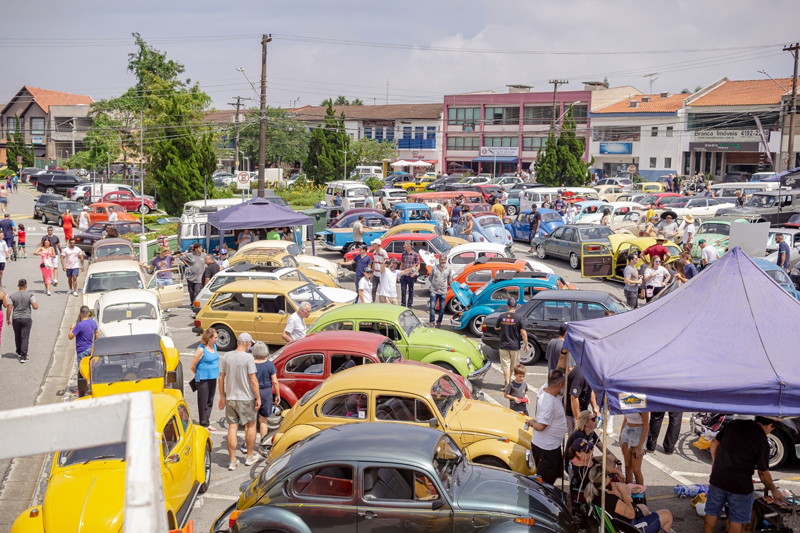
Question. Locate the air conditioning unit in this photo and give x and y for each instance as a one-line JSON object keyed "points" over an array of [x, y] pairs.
{"points": [[633, 103], [645, 99], [665, 95]]}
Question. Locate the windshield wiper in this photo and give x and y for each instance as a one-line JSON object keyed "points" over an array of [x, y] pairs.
{"points": [[99, 457]]}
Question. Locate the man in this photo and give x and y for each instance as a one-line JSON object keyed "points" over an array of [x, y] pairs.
{"points": [[273, 235], [534, 221], [739, 199], [549, 428], [559, 205], [708, 253], [364, 287], [440, 278], [195, 265], [379, 257], [512, 337], [668, 227], [83, 221], [161, 264], [689, 270], [670, 183], [633, 281], [337, 200], [387, 292], [72, 265], [112, 216], [84, 333], [211, 270], [581, 397], [498, 209], [737, 449], [3, 256], [56, 243], [456, 214], [296, 325], [409, 262], [245, 237], [362, 261], [554, 348], [18, 316], [240, 398], [658, 249], [571, 211], [784, 253], [395, 220], [673, 431], [440, 216], [223, 259], [688, 233], [358, 230], [8, 229]]}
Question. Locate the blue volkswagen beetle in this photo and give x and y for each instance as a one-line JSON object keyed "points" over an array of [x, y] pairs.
{"points": [[339, 237], [494, 295], [589, 207], [486, 227], [519, 227], [778, 275]]}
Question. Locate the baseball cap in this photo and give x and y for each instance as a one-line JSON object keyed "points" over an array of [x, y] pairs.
{"points": [[7, 215], [377, 241], [245, 337], [162, 249], [701, 241], [512, 302], [224, 251], [582, 445], [661, 238]]}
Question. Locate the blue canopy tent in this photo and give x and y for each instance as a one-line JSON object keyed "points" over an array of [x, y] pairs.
{"points": [[254, 214], [785, 177]]}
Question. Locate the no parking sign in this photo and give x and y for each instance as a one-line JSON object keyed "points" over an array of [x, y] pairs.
{"points": [[243, 181]]}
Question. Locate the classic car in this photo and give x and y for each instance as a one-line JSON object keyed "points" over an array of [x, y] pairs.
{"points": [[616, 211], [778, 275], [482, 271], [716, 232], [609, 193], [417, 184], [543, 315], [129, 201], [512, 204], [625, 183], [770, 206], [565, 242], [113, 249], [488, 190], [486, 227], [339, 237], [791, 236], [476, 207], [389, 197], [508, 182], [114, 275], [588, 207], [520, 229], [129, 312], [651, 186], [632, 197], [609, 258], [418, 227], [254, 249], [129, 363], [348, 218], [661, 199], [53, 211], [697, 206], [428, 245], [100, 211], [258, 307], [413, 212], [240, 271], [446, 349], [415, 395], [86, 487], [461, 256], [410, 479], [97, 231], [42, 200], [495, 294]]}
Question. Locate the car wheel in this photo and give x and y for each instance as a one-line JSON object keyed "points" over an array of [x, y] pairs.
{"points": [[475, 325], [531, 355], [540, 252], [574, 262], [348, 248], [448, 367], [488, 460], [60, 221], [206, 469], [226, 341], [454, 306], [511, 210], [178, 385], [44, 218], [49, 190], [144, 209], [777, 449]]}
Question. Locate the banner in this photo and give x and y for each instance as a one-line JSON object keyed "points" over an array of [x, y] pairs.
{"points": [[500, 151]]}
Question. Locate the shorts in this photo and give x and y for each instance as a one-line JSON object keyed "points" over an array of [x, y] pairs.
{"points": [[509, 359], [740, 506], [387, 299], [240, 411], [21, 245], [266, 403], [549, 463], [2, 266], [73, 272], [649, 524], [3, 200], [631, 436]]}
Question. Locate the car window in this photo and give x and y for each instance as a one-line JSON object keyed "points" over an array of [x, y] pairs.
{"points": [[341, 362], [464, 258], [381, 328], [397, 484], [100, 210], [556, 311], [569, 235], [313, 363], [350, 405], [271, 303], [233, 301], [387, 352], [588, 311], [558, 233], [479, 276], [169, 437], [184, 417], [401, 409], [504, 293], [328, 482], [338, 326]]}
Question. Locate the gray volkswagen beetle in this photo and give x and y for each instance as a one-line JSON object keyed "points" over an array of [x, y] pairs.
{"points": [[390, 477]]}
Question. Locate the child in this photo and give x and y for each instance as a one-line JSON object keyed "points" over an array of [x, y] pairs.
{"points": [[517, 391], [21, 242]]}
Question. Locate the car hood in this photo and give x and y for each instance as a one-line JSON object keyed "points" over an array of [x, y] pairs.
{"points": [[490, 420], [339, 296], [446, 340], [86, 498], [462, 293], [498, 234], [318, 262], [129, 327], [483, 488]]}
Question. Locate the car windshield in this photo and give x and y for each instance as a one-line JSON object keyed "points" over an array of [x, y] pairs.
{"points": [[617, 305], [714, 228], [398, 194], [111, 281], [674, 251], [679, 203], [346, 222], [440, 245], [772, 243], [74, 207], [269, 474], [794, 219], [591, 234], [447, 458], [129, 311], [779, 276], [490, 222], [648, 200], [388, 353], [445, 394], [97, 229], [95, 453], [126, 367], [408, 322], [309, 293], [670, 200], [549, 217], [111, 250], [761, 200], [633, 216], [359, 192]]}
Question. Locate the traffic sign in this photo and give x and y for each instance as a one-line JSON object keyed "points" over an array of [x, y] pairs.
{"points": [[243, 181], [632, 169]]}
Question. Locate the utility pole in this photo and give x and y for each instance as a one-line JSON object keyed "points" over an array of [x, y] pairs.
{"points": [[262, 129], [652, 79], [387, 91], [556, 83], [141, 168], [795, 50], [238, 104], [73, 135]]}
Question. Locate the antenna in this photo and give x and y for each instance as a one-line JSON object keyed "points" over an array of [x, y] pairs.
{"points": [[652, 79]]}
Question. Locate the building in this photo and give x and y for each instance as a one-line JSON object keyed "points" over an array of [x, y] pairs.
{"points": [[54, 123], [644, 131]]}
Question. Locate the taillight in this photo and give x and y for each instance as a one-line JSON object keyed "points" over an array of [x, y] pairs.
{"points": [[197, 305], [197, 324], [483, 327], [593, 248], [232, 518]]}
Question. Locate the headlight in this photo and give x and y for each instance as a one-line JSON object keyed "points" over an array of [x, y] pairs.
{"points": [[469, 363], [529, 460], [795, 272]]}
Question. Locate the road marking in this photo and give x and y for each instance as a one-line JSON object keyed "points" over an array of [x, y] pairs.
{"points": [[229, 480], [218, 497], [677, 476], [662, 497]]}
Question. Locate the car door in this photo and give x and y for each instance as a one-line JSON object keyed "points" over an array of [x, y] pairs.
{"points": [[303, 371], [126, 200], [551, 242], [522, 228], [170, 296], [99, 214], [176, 453], [272, 313], [544, 321], [597, 260], [235, 310], [568, 243], [323, 496]]}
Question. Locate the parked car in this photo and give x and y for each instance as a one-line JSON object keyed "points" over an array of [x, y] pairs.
{"points": [[52, 183], [129, 312], [623, 182], [347, 218], [100, 211], [736, 177], [565, 242], [113, 249], [339, 237], [507, 182], [778, 275], [659, 199], [114, 275], [486, 227], [610, 193], [519, 227], [608, 259], [54, 211], [419, 227], [477, 274], [92, 190], [617, 211], [651, 186], [441, 182], [390, 196], [461, 256], [488, 190], [697, 206], [716, 232], [25, 173], [97, 231], [129, 201], [588, 207], [543, 315], [42, 200], [248, 251], [775, 207], [426, 244]]}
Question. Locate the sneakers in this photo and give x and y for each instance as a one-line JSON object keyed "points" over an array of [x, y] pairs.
{"points": [[48, 293], [74, 293], [23, 359], [232, 466], [250, 461], [209, 428], [243, 449], [55, 282]]}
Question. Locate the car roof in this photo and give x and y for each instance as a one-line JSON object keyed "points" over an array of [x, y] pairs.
{"points": [[163, 404], [410, 237], [571, 296], [145, 342], [123, 296], [495, 263], [264, 285], [111, 241], [407, 378], [377, 311], [410, 205], [349, 341], [477, 246], [484, 214], [114, 266], [764, 264]]}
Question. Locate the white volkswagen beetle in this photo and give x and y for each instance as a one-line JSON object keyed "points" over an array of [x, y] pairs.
{"points": [[129, 312]]}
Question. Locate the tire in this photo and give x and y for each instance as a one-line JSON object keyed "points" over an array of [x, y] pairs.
{"points": [[207, 468], [49, 190], [533, 354], [348, 248], [540, 252], [60, 222], [778, 449], [448, 367], [226, 340], [44, 218], [178, 385], [476, 323], [274, 421], [454, 306], [144, 209], [488, 460], [574, 261], [511, 210]]}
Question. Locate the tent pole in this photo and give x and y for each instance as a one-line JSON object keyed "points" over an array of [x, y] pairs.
{"points": [[565, 392], [313, 248], [605, 447], [208, 235]]}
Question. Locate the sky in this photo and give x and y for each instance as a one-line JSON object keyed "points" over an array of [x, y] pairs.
{"points": [[423, 50]]}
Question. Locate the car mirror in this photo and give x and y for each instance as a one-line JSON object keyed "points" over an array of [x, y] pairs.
{"points": [[433, 422], [437, 504], [174, 458], [244, 485], [172, 377]]}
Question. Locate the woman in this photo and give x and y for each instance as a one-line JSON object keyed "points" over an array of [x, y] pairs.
{"points": [[656, 278], [48, 254], [267, 377], [631, 439], [585, 426], [620, 505], [606, 219], [205, 366], [67, 225], [468, 228]]}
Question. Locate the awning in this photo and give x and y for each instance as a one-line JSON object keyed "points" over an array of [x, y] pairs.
{"points": [[39, 151], [431, 161], [492, 159]]}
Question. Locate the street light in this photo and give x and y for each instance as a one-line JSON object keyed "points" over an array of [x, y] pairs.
{"points": [[241, 69], [246, 159], [344, 171]]}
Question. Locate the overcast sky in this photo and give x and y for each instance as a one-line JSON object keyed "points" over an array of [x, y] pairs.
{"points": [[312, 71]]}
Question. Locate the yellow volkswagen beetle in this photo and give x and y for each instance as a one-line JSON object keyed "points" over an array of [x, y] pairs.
{"points": [[86, 487], [257, 248], [418, 227], [489, 434]]}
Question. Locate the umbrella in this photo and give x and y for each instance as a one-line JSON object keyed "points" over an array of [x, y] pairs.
{"points": [[401, 163], [419, 164]]}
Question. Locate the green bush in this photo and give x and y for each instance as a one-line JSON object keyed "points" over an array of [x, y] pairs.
{"points": [[169, 230], [6, 172], [374, 183], [301, 194]]}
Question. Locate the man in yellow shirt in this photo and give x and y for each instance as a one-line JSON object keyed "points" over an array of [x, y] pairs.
{"points": [[498, 209]]}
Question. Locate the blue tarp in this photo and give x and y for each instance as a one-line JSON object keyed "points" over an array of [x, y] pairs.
{"points": [[727, 341]]}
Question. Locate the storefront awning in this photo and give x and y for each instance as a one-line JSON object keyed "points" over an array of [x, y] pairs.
{"points": [[492, 159], [431, 161]]}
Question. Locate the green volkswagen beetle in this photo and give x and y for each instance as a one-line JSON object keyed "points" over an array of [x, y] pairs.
{"points": [[446, 349]]}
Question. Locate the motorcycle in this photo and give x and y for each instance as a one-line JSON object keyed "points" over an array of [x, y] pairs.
{"points": [[784, 440]]}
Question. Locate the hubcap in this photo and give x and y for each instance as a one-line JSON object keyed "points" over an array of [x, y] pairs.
{"points": [[224, 338], [455, 305], [207, 465], [573, 261], [540, 252], [477, 322]]}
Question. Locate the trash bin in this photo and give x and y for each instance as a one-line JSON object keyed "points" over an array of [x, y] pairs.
{"points": [[320, 218]]}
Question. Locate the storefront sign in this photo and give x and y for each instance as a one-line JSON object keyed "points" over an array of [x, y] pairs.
{"points": [[500, 151], [37, 140], [378, 123], [724, 147], [616, 148], [728, 135]]}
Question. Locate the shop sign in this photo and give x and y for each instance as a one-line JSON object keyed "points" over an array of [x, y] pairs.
{"points": [[37, 140], [500, 151], [724, 147], [728, 135], [616, 148]]}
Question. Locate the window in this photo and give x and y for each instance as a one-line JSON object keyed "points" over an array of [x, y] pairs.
{"points": [[556, 311], [170, 437], [588, 311], [390, 133], [329, 482], [669, 131], [464, 115], [654, 131], [464, 258], [379, 134], [580, 113], [463, 143], [558, 233], [431, 133], [406, 132], [501, 141], [233, 302], [341, 362], [368, 132], [504, 293], [351, 405], [540, 114], [11, 124], [381, 328], [652, 162], [533, 143], [400, 409], [667, 161], [398, 484], [37, 125], [501, 115], [338, 326], [185, 418], [418, 133], [271, 303], [616, 133], [310, 363], [569, 235], [479, 276]]}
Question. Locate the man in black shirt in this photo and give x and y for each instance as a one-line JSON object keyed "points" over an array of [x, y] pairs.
{"points": [[581, 397], [741, 446], [212, 269], [534, 221], [512, 335]]}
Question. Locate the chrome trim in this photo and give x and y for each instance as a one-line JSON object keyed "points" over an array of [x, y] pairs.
{"points": [[478, 374]]}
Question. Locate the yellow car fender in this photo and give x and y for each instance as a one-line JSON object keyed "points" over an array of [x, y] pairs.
{"points": [[509, 453], [172, 357], [25, 523], [290, 437], [201, 440], [84, 368]]}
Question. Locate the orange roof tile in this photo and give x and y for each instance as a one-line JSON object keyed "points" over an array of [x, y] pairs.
{"points": [[657, 104], [46, 98], [745, 92]]}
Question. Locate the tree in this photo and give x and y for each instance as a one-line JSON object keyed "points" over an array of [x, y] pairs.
{"points": [[341, 100], [357, 101], [329, 141], [370, 151], [15, 146], [562, 161], [698, 88], [286, 138], [685, 91]]}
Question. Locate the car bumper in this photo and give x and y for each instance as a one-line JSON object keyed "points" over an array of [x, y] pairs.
{"points": [[199, 331], [221, 523], [700, 429], [481, 372], [491, 342], [333, 247]]}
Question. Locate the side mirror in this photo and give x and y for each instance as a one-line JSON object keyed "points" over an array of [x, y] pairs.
{"points": [[437, 504], [433, 422], [172, 377]]}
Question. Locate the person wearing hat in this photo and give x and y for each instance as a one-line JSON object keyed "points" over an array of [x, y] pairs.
{"points": [[668, 227], [223, 258], [362, 261], [365, 287], [512, 337], [688, 233], [657, 250], [161, 264], [387, 292], [240, 398], [708, 253], [379, 257]]}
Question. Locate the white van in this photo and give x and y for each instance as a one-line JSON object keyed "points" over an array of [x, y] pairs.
{"points": [[353, 194], [365, 171], [541, 195], [727, 191]]}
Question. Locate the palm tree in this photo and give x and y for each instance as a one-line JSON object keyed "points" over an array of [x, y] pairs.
{"points": [[357, 101], [341, 100]]}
